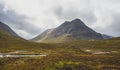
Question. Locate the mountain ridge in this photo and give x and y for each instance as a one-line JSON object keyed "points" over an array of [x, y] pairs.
{"points": [[69, 30], [7, 29]]}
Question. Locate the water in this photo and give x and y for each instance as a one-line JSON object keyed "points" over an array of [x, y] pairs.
{"points": [[101, 52], [21, 55]]}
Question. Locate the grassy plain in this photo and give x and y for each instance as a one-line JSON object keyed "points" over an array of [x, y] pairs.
{"points": [[74, 55]]}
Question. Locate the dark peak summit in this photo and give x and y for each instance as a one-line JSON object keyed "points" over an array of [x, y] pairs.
{"points": [[65, 23], [76, 20], [75, 24]]}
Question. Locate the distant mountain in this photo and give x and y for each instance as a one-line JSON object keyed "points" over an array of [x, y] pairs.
{"points": [[106, 36], [7, 29], [114, 38], [74, 30]]}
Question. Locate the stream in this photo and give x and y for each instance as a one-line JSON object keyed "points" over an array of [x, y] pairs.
{"points": [[21, 55]]}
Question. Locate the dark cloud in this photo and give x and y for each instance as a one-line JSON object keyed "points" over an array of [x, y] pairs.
{"points": [[17, 22], [86, 15], [115, 26], [98, 14], [89, 17]]}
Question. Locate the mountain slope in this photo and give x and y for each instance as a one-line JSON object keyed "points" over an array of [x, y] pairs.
{"points": [[9, 42], [6, 28], [5, 37], [9, 38], [74, 30], [43, 35], [106, 36]]}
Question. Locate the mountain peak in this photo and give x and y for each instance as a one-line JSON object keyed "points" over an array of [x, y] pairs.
{"points": [[74, 23], [77, 21], [69, 30]]}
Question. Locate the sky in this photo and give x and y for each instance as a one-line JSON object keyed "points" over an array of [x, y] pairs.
{"points": [[29, 18]]}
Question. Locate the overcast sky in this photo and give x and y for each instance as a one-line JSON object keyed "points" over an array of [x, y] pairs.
{"points": [[31, 17]]}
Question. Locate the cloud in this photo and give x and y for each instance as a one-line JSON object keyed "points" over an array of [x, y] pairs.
{"points": [[30, 17], [71, 13], [114, 28], [18, 23]]}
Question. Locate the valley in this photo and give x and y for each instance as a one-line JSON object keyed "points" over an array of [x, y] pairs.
{"points": [[64, 49], [74, 55]]}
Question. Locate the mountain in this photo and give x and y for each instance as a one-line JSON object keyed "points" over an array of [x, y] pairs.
{"points": [[9, 40], [7, 34], [7, 29], [74, 30], [5, 37], [106, 36]]}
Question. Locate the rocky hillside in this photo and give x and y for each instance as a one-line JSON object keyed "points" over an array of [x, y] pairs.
{"points": [[73, 30]]}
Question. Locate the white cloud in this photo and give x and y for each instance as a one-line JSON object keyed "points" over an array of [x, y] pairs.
{"points": [[45, 14]]}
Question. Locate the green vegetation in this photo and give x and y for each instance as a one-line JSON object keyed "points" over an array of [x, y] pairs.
{"points": [[64, 61], [74, 55]]}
